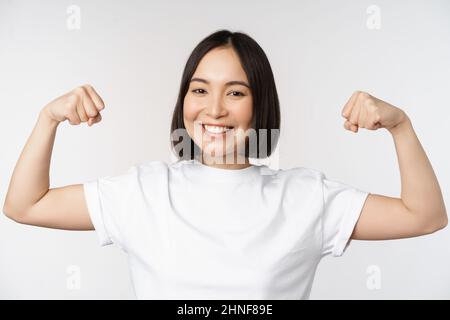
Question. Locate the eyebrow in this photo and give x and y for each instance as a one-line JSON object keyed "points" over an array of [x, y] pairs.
{"points": [[229, 83]]}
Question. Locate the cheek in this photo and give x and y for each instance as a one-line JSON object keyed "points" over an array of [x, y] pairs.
{"points": [[243, 113], [189, 113], [191, 108]]}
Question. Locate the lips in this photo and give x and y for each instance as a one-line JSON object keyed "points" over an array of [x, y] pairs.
{"points": [[215, 130]]}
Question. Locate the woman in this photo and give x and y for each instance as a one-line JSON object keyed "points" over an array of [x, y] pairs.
{"points": [[212, 225]]}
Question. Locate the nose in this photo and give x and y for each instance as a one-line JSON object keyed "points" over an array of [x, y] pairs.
{"points": [[215, 108]]}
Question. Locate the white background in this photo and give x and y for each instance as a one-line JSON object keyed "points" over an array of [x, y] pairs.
{"points": [[133, 53]]}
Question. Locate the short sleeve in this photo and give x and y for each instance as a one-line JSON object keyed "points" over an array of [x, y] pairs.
{"points": [[342, 206], [110, 204]]}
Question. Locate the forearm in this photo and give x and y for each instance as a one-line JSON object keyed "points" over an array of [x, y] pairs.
{"points": [[420, 189], [30, 178]]}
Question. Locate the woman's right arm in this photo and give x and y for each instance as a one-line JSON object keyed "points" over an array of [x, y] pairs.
{"points": [[29, 199]]}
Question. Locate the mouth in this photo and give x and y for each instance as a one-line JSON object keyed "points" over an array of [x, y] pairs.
{"points": [[215, 131]]}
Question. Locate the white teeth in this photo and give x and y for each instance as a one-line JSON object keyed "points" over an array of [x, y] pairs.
{"points": [[216, 129]]}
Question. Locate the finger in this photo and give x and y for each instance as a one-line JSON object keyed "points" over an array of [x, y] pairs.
{"points": [[94, 120], [346, 111], [350, 127], [89, 107], [347, 125], [363, 114], [81, 112], [74, 118], [98, 101], [356, 110], [378, 119], [374, 125]]}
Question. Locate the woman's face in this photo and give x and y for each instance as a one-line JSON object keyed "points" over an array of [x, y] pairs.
{"points": [[218, 106]]}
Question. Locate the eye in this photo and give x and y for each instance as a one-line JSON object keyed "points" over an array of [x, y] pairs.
{"points": [[238, 94], [197, 91]]}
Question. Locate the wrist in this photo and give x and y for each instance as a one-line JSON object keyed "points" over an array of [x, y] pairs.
{"points": [[45, 117], [403, 125]]}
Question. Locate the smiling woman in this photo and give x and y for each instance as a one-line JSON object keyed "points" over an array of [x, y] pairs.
{"points": [[227, 90], [201, 229]]}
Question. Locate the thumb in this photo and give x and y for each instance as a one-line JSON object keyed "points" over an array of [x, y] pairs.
{"points": [[96, 119]]}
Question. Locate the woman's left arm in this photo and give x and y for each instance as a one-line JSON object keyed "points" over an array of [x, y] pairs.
{"points": [[421, 209]]}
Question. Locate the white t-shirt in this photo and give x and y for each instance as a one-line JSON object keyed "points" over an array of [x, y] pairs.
{"points": [[192, 231]]}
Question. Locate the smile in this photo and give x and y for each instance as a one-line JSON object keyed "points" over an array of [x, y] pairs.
{"points": [[215, 130]]}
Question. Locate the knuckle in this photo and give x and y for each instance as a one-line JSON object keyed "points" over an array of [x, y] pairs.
{"points": [[72, 106], [364, 95], [368, 103], [74, 118], [72, 115], [91, 113], [79, 90], [70, 110], [371, 106], [72, 98]]}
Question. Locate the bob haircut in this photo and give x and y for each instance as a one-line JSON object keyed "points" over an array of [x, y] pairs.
{"points": [[266, 106]]}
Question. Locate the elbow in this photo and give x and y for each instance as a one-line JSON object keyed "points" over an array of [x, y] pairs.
{"points": [[444, 222], [444, 217], [439, 224], [10, 213], [6, 210]]}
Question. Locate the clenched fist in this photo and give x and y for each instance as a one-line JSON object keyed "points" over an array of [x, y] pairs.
{"points": [[82, 104], [365, 111]]}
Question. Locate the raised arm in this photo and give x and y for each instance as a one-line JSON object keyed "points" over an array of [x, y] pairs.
{"points": [[29, 199], [421, 209]]}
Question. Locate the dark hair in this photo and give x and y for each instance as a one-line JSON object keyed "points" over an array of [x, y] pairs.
{"points": [[266, 106]]}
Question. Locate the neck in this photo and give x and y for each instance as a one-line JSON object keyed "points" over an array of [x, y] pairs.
{"points": [[223, 163]]}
